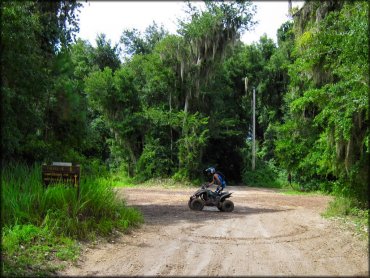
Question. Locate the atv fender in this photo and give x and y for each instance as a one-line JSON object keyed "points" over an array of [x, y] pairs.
{"points": [[200, 192], [224, 196]]}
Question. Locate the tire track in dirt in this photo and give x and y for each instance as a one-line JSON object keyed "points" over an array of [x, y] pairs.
{"points": [[267, 234]]}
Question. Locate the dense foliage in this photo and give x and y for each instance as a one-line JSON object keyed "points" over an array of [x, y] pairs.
{"points": [[159, 105], [42, 224], [325, 132], [174, 104]]}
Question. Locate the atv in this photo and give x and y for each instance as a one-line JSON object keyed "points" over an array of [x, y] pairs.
{"points": [[205, 197]]}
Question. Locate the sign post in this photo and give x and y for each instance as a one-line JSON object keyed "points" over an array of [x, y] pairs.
{"points": [[62, 172], [254, 131]]}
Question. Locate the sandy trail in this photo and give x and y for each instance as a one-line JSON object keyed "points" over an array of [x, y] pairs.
{"points": [[267, 234]]}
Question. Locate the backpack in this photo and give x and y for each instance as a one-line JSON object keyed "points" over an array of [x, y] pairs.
{"points": [[223, 180]]}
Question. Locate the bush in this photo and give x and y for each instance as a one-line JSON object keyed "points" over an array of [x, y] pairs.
{"points": [[340, 206], [28, 250], [154, 161], [34, 214], [266, 174], [347, 209]]}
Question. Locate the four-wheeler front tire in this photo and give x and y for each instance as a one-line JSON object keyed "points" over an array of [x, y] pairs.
{"points": [[189, 203], [197, 204], [227, 206]]}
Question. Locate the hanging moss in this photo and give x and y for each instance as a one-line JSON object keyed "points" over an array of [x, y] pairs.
{"points": [[331, 45], [313, 12], [206, 39]]}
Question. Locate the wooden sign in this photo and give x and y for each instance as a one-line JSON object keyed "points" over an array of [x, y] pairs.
{"points": [[61, 172]]}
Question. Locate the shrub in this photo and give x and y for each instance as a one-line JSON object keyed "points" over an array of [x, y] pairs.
{"points": [[39, 219], [28, 250], [266, 174]]}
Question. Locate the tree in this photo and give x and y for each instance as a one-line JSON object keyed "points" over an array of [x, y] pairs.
{"points": [[105, 55], [137, 43], [206, 39], [32, 33], [115, 97], [328, 94], [59, 23]]}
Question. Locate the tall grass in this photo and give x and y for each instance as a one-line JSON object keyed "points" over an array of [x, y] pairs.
{"points": [[20, 187], [56, 211], [347, 209]]}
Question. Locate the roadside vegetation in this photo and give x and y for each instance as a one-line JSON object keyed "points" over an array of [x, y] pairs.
{"points": [[347, 211], [41, 227]]}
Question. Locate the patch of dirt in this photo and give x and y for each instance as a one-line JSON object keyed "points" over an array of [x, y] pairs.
{"points": [[267, 234]]}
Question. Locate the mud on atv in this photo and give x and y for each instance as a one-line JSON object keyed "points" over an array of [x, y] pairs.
{"points": [[205, 197]]}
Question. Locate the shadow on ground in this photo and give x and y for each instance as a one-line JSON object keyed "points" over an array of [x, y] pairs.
{"points": [[169, 214]]}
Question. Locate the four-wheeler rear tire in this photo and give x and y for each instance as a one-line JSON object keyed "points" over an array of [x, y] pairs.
{"points": [[227, 206], [197, 204]]}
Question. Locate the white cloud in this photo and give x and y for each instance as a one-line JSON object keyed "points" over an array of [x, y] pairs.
{"points": [[112, 17], [270, 16]]}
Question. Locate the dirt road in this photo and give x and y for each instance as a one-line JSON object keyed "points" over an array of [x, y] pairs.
{"points": [[267, 234]]}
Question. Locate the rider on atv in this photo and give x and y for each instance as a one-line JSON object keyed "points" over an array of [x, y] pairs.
{"points": [[217, 178]]}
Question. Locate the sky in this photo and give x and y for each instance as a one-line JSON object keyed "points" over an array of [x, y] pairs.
{"points": [[112, 17]]}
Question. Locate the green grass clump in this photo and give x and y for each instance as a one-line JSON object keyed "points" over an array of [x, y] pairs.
{"points": [[121, 181], [340, 206], [347, 210], [28, 250], [50, 220]]}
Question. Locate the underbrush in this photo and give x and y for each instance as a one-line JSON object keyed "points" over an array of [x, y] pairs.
{"points": [[121, 181], [29, 250], [266, 174], [44, 224], [289, 191], [347, 210], [169, 183]]}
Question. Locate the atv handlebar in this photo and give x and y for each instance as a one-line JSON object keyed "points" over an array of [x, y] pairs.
{"points": [[205, 185]]}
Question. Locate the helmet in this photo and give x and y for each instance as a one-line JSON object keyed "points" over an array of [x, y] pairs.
{"points": [[210, 170]]}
